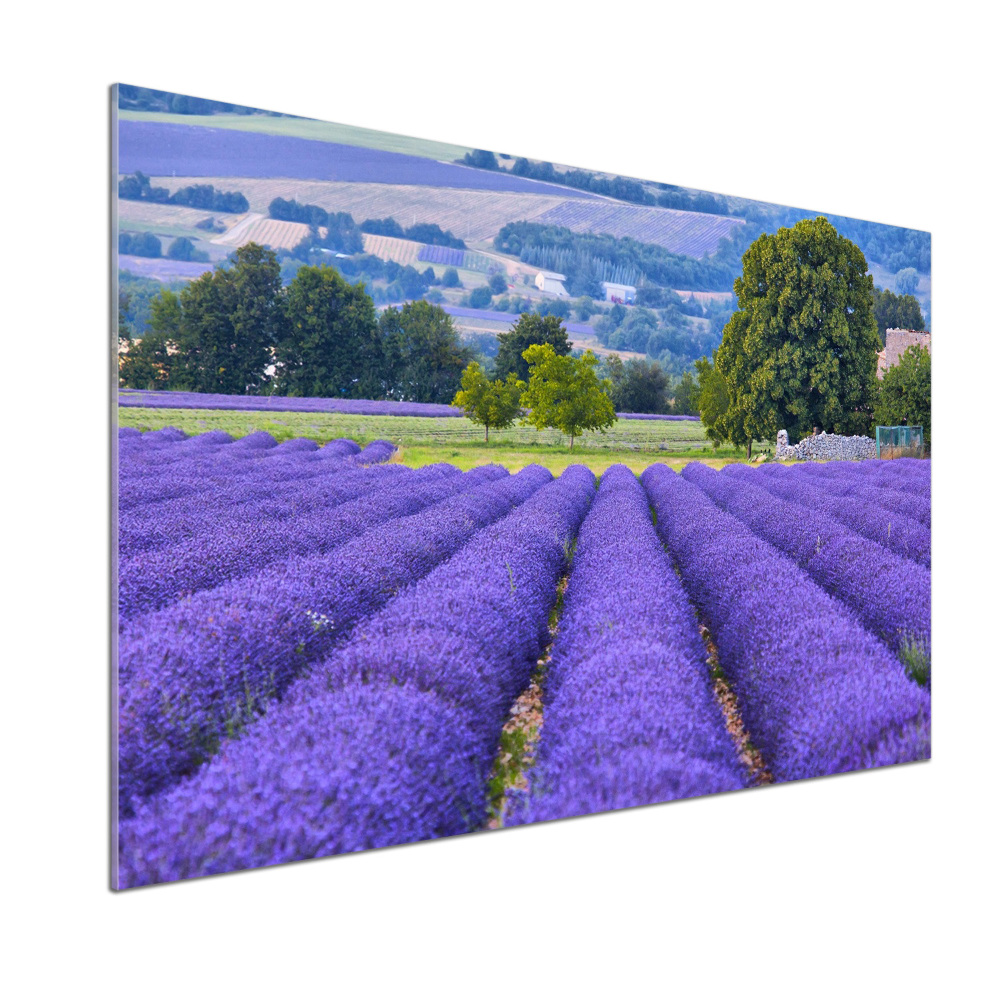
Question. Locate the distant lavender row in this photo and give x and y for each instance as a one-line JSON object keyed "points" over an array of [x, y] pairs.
{"points": [[449, 256], [890, 528], [630, 718], [658, 416], [199, 671], [818, 693], [890, 595], [169, 399], [391, 739], [288, 404]]}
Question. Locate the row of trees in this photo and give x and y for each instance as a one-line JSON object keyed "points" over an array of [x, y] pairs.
{"points": [[800, 351], [562, 392], [137, 187], [344, 234], [236, 330], [148, 245]]}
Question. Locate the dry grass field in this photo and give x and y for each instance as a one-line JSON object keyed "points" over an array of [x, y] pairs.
{"points": [[474, 216], [392, 248], [169, 220], [268, 232]]}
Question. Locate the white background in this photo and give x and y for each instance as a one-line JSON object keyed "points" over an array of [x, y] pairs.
{"points": [[875, 884]]}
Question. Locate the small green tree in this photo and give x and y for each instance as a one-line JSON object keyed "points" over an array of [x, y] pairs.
{"points": [[904, 395], [492, 404], [564, 392]]}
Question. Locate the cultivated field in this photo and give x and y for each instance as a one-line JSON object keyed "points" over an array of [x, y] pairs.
{"points": [[323, 652], [310, 128], [471, 215], [274, 233], [162, 268], [166, 149], [692, 233], [179, 220], [392, 248]]}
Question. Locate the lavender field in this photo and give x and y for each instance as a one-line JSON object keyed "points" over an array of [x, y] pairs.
{"points": [[162, 149], [321, 652]]}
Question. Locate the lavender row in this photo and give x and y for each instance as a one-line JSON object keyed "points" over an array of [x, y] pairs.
{"points": [[225, 501], [242, 547], [892, 530], [816, 691], [169, 471], [890, 595], [912, 479], [842, 482], [390, 740], [630, 717], [201, 670], [657, 416]]}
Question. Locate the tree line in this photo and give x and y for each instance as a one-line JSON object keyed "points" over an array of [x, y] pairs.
{"points": [[147, 99], [238, 330], [137, 187], [149, 245], [347, 233]]}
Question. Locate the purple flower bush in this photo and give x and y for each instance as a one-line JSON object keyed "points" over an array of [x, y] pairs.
{"points": [[891, 529], [857, 482], [629, 715], [202, 669], [889, 595], [391, 739], [230, 547], [816, 691]]}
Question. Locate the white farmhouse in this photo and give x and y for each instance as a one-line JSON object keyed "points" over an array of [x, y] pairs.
{"points": [[549, 281], [613, 292]]}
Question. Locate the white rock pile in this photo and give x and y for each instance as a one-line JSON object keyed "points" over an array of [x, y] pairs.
{"points": [[825, 447]]}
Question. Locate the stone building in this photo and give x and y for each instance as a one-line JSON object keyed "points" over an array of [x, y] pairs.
{"points": [[896, 343]]}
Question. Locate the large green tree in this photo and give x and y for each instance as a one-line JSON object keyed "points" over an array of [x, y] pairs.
{"points": [[800, 350], [564, 392], [896, 312], [328, 343], [229, 325], [905, 393], [424, 356], [529, 329], [492, 404]]}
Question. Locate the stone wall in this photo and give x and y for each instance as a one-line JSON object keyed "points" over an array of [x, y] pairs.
{"points": [[825, 447]]}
